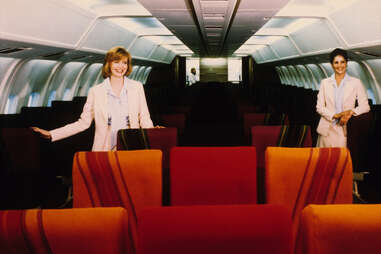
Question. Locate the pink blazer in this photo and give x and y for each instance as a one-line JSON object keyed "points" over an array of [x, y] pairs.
{"points": [[96, 108], [326, 102]]}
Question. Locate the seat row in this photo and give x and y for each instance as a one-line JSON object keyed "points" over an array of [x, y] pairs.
{"points": [[213, 205]]}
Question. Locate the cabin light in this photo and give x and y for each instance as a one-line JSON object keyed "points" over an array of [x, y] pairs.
{"points": [[213, 34], [248, 49], [263, 39], [213, 18], [164, 39], [142, 26], [213, 61]]}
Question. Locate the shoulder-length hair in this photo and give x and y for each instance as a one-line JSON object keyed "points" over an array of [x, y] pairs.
{"points": [[115, 54]]}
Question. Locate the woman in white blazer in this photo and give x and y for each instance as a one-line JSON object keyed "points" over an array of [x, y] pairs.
{"points": [[336, 102], [116, 103]]}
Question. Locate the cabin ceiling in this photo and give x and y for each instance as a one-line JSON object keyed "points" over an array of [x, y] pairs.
{"points": [[155, 31], [213, 28]]}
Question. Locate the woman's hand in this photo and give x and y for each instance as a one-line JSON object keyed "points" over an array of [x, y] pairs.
{"points": [[346, 115], [43, 133], [337, 116]]}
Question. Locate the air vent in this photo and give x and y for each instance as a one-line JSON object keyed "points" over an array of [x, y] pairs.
{"points": [[55, 55], [78, 57], [368, 54], [12, 50]]}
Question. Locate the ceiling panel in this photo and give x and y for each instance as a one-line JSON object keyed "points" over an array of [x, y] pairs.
{"points": [[263, 4], [175, 17], [218, 27]]}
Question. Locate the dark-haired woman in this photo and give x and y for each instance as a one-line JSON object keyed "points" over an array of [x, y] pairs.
{"points": [[336, 102], [116, 103]]}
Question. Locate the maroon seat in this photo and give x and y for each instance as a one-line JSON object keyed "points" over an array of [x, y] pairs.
{"points": [[215, 229], [213, 175], [276, 135], [279, 135], [176, 120], [254, 119]]}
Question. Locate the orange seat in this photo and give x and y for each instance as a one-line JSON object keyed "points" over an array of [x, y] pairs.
{"points": [[130, 179], [75, 231], [155, 138], [296, 177], [263, 136], [336, 229]]}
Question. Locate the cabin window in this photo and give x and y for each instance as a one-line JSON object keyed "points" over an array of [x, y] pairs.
{"points": [[11, 106], [52, 97], [146, 73], [67, 95], [356, 70], [134, 71], [317, 73], [90, 77], [33, 99], [140, 73], [286, 75], [295, 77], [307, 77], [281, 75]]}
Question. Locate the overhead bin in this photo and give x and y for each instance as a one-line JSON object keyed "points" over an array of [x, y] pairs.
{"points": [[67, 31]]}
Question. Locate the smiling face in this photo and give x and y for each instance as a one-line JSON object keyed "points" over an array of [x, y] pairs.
{"points": [[339, 65], [118, 68]]}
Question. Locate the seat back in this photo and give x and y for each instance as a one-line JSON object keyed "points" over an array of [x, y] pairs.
{"points": [[215, 229], [76, 231], [254, 119], [336, 229], [176, 120], [156, 138], [129, 179], [22, 148], [296, 177], [276, 135], [279, 135], [213, 175], [359, 131]]}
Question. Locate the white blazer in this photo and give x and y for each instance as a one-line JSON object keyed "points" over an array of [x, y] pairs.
{"points": [[96, 108], [326, 102]]}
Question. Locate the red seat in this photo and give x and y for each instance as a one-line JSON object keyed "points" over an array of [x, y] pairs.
{"points": [[156, 138], [253, 119], [218, 229], [213, 175]]}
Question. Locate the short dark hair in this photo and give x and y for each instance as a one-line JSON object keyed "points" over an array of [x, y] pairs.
{"points": [[116, 53], [338, 52]]}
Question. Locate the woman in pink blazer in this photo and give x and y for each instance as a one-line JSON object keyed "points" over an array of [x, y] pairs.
{"points": [[116, 103], [336, 102]]}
